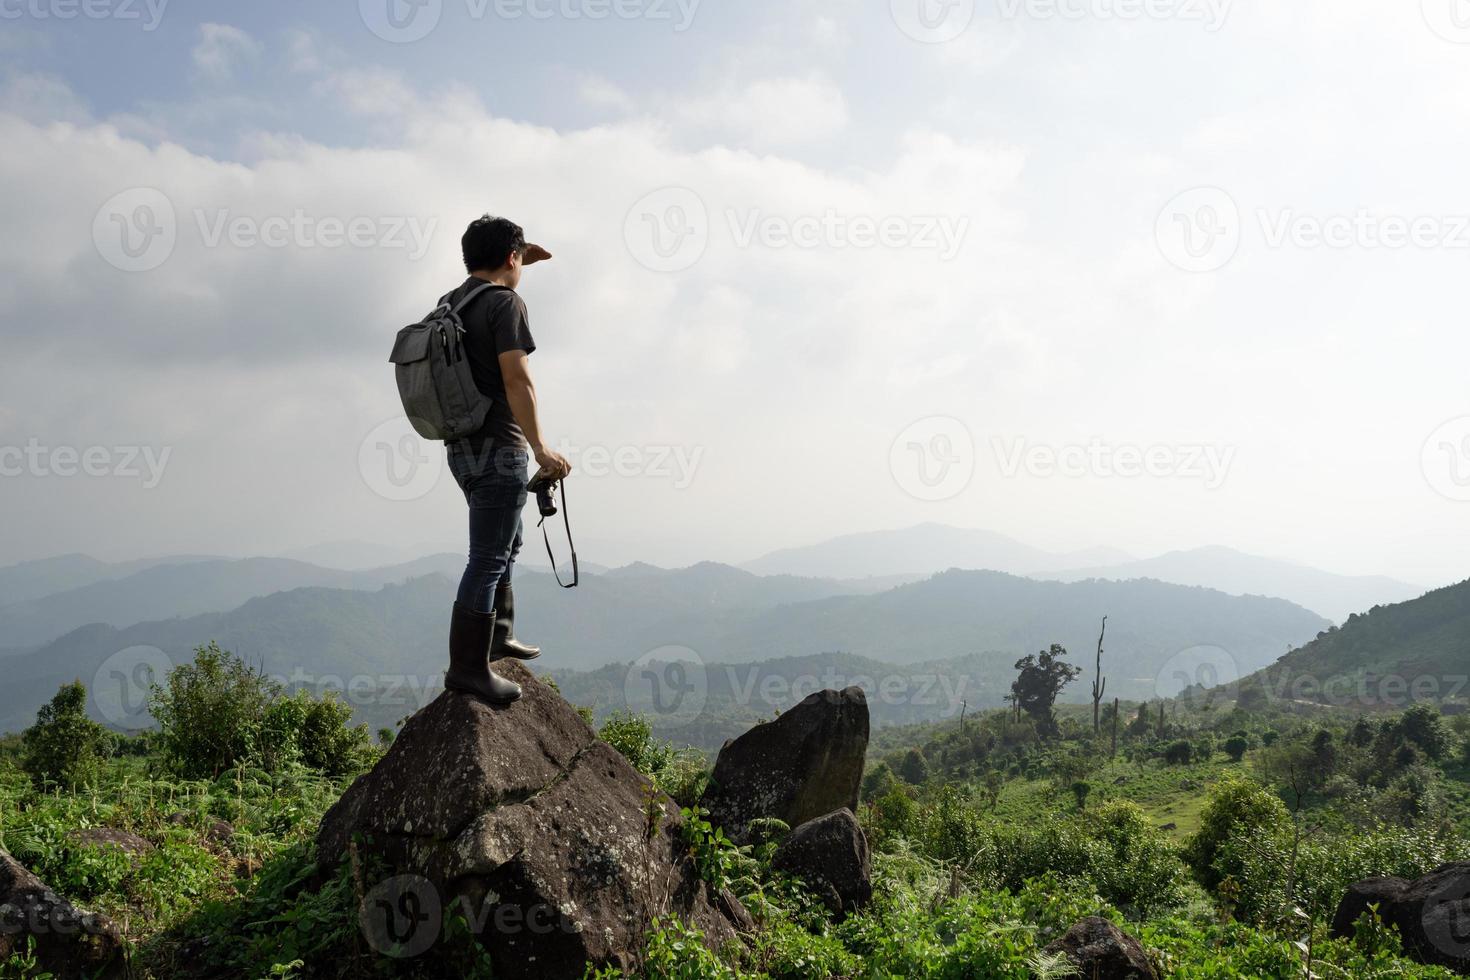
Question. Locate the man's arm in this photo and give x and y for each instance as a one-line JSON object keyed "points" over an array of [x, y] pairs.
{"points": [[515, 369]]}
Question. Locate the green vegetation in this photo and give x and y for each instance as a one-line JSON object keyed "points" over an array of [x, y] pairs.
{"points": [[1222, 838]]}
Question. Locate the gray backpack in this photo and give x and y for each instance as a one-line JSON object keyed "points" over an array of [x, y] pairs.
{"points": [[434, 380]]}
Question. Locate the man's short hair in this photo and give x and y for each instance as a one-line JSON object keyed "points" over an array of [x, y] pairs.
{"points": [[488, 242]]}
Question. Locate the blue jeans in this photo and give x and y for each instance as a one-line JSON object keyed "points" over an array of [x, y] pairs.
{"points": [[494, 484]]}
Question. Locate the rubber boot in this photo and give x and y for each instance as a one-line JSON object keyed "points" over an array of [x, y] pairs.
{"points": [[469, 670], [503, 642]]}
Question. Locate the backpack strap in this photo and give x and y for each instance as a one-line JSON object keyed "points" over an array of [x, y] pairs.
{"points": [[454, 311]]}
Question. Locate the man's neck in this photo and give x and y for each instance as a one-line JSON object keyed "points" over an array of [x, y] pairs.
{"points": [[499, 277]]}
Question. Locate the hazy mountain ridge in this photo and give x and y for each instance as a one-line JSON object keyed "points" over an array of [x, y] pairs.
{"points": [[932, 548], [45, 576], [1332, 595], [923, 549], [172, 589], [402, 629]]}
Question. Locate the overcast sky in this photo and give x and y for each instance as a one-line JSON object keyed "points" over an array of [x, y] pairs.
{"points": [[1149, 274]]}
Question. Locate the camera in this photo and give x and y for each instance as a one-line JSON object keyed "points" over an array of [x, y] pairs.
{"points": [[543, 485]]}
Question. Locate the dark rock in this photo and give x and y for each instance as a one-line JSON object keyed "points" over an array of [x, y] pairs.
{"points": [[830, 854], [216, 831], [131, 844], [1101, 951], [535, 830], [806, 763], [1432, 913], [69, 942]]}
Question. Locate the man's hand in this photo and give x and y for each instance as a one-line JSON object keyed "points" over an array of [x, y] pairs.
{"points": [[534, 254], [553, 463]]}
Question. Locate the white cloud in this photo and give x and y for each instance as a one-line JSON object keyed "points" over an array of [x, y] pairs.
{"points": [[767, 112], [221, 48]]}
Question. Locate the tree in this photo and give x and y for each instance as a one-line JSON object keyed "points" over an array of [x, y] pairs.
{"points": [[914, 768], [1425, 727], [1042, 677], [64, 746], [1099, 682], [1235, 747], [1236, 806], [1180, 753]]}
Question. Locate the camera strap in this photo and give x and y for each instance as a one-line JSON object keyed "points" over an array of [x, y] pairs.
{"points": [[567, 521]]}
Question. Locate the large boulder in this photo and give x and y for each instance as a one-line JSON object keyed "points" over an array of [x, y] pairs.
{"points": [[69, 942], [1432, 913], [805, 764], [830, 854], [134, 847], [521, 819], [1101, 951]]}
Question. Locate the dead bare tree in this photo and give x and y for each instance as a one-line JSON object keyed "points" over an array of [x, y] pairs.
{"points": [[1099, 682]]}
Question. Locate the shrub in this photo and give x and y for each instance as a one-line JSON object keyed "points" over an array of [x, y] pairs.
{"points": [[219, 712], [1235, 806], [1236, 746], [632, 735], [64, 746], [1179, 753]]}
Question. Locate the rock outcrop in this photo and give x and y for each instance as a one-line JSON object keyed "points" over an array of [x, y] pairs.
{"points": [[1432, 913], [135, 847], [1101, 951], [528, 824], [830, 854], [69, 943], [803, 765]]}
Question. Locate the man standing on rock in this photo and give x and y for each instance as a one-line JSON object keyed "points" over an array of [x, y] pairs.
{"points": [[492, 465]]}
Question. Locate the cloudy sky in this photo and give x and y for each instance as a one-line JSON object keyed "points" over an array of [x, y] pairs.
{"points": [[1149, 274]]}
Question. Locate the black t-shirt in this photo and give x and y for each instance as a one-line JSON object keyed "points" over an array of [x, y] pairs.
{"points": [[495, 322]]}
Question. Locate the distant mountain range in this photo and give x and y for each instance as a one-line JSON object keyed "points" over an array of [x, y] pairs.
{"points": [[1387, 657], [923, 549], [188, 588], [1334, 596], [45, 576], [721, 613], [930, 548]]}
